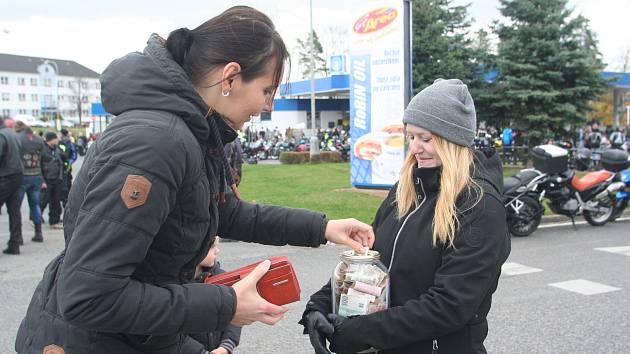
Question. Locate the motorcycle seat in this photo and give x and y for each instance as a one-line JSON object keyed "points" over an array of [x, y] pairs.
{"points": [[522, 178], [590, 180]]}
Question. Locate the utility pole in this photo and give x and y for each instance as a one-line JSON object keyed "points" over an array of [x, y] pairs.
{"points": [[314, 140], [312, 67]]}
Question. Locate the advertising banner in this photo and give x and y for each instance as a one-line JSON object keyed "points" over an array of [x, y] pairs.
{"points": [[379, 89]]}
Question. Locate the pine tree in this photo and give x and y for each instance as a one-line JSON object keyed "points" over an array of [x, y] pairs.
{"points": [[441, 48], [305, 56], [549, 68]]}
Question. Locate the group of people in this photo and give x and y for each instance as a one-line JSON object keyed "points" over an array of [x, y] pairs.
{"points": [[145, 210], [38, 167], [592, 137]]}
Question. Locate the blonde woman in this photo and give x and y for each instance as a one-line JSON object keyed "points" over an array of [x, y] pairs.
{"points": [[442, 234]]}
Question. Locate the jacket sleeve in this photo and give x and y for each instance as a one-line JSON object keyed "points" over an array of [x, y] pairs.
{"points": [[231, 338], [3, 148], [96, 289], [466, 277], [270, 225]]}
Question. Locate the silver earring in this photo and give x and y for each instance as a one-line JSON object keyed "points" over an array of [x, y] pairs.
{"points": [[225, 94]]}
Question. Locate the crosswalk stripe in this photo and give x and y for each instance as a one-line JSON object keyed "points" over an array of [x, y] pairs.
{"points": [[584, 287], [511, 268], [625, 250]]}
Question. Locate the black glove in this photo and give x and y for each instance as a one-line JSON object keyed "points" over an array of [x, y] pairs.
{"points": [[318, 329], [344, 342]]}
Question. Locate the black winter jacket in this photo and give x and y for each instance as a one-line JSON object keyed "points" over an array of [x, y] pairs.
{"points": [[228, 338], [439, 296], [139, 219], [10, 159], [52, 163]]}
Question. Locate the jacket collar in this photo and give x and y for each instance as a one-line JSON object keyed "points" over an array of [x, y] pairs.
{"points": [[226, 132], [427, 180]]}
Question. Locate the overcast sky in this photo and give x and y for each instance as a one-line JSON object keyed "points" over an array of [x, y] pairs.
{"points": [[94, 33]]}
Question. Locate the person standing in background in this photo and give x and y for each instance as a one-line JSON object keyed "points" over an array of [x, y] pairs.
{"points": [[32, 148], [234, 155], [53, 170], [11, 170], [69, 150]]}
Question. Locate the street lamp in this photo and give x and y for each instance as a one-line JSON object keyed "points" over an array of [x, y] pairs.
{"points": [[55, 91]]}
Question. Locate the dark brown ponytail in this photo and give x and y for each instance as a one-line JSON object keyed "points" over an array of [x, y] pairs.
{"points": [[240, 34]]}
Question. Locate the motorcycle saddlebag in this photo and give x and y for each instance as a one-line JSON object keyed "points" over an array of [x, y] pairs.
{"points": [[550, 159], [615, 160]]}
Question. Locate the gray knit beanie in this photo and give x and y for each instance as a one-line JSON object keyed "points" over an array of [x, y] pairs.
{"points": [[446, 109]]}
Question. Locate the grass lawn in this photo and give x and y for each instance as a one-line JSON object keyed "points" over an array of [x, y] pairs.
{"points": [[309, 186], [321, 187]]}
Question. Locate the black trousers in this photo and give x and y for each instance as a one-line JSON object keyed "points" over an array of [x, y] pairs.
{"points": [[10, 195], [67, 183], [51, 196]]}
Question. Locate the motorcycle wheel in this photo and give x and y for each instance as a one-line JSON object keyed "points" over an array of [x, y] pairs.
{"points": [[531, 212], [620, 206], [599, 219]]}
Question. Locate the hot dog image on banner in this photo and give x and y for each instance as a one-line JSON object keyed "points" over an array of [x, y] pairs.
{"points": [[377, 93]]}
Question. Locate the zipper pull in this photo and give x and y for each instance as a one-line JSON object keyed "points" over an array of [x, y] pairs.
{"points": [[435, 347]]}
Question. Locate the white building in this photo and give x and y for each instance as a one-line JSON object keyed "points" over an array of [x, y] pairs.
{"points": [[42, 87]]}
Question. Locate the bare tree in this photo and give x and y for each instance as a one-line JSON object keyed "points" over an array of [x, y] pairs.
{"points": [[336, 39], [624, 60], [79, 88]]}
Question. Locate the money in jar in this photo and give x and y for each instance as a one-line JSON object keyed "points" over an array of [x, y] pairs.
{"points": [[360, 284]]}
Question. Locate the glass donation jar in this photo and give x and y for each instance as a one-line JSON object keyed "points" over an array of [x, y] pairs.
{"points": [[360, 284]]}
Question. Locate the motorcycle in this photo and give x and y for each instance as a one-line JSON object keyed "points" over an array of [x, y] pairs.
{"points": [[591, 196], [622, 197], [523, 201], [618, 162]]}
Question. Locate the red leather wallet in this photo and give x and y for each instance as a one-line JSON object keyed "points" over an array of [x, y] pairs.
{"points": [[279, 285]]}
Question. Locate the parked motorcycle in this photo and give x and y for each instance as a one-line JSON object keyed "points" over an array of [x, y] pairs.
{"points": [[591, 196], [523, 201], [618, 162]]}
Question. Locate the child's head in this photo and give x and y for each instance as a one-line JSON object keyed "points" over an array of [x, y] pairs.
{"points": [[213, 253]]}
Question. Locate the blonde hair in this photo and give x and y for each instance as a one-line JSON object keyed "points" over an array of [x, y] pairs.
{"points": [[457, 162]]}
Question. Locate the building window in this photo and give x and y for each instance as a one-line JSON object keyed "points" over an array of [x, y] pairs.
{"points": [[22, 111], [47, 83], [6, 96], [85, 112], [84, 99], [97, 86], [34, 97], [84, 85], [36, 113], [33, 82], [265, 116], [6, 112], [4, 80], [21, 81], [60, 83], [21, 97], [309, 122]]}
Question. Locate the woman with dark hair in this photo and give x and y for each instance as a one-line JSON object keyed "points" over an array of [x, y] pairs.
{"points": [[151, 195]]}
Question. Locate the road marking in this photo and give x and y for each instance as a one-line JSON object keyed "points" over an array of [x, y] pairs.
{"points": [[560, 224], [625, 250], [584, 287], [511, 268]]}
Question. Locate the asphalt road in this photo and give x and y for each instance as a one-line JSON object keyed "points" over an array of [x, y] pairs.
{"points": [[528, 314]]}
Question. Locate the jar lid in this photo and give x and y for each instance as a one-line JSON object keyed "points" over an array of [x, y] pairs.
{"points": [[352, 256]]}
